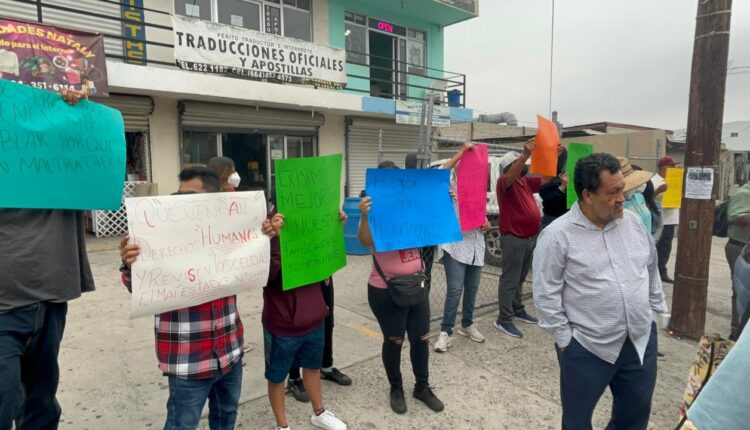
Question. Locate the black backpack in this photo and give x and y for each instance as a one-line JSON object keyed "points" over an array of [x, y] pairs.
{"points": [[721, 220]]}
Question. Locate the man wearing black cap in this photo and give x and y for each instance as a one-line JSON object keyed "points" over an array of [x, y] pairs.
{"points": [[670, 218]]}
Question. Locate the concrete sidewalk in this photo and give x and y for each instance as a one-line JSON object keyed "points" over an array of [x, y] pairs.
{"points": [[110, 379]]}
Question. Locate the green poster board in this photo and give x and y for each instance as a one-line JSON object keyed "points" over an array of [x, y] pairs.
{"points": [[308, 194], [576, 151]]}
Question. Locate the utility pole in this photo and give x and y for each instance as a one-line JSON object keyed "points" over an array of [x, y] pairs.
{"points": [[705, 116]]}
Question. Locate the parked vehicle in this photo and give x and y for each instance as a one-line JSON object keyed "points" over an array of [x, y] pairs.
{"points": [[492, 251]]}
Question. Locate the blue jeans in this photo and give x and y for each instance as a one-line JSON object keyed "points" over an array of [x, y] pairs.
{"points": [[30, 339], [584, 377], [187, 397], [460, 278]]}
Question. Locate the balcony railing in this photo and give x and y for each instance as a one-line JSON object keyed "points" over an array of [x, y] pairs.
{"points": [[391, 79]]}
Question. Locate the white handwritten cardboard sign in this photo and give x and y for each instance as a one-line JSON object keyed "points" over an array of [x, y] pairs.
{"points": [[196, 248]]}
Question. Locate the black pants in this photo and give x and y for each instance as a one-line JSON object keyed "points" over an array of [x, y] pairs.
{"points": [[327, 288], [30, 339], [394, 321], [584, 377], [664, 248]]}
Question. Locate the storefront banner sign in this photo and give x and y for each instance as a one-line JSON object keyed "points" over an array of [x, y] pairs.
{"points": [[209, 47], [673, 196], [308, 194], [472, 174], [57, 156], [411, 208], [134, 45], [196, 248], [700, 183], [411, 113], [52, 58], [576, 151], [544, 156]]}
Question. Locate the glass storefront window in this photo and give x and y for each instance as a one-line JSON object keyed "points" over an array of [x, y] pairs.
{"points": [[240, 13], [292, 18], [199, 147], [356, 44], [297, 24], [193, 8]]}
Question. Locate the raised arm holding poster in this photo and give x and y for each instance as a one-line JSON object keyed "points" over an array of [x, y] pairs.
{"points": [[195, 248], [57, 156], [576, 151], [411, 208], [544, 156], [472, 174], [308, 194]]}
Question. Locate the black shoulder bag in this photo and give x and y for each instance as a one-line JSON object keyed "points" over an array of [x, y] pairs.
{"points": [[405, 290]]}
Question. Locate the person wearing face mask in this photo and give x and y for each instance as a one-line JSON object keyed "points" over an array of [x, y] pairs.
{"points": [[199, 348], [224, 167]]}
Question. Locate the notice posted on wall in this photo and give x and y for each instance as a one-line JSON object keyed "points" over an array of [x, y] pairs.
{"points": [[699, 183]]}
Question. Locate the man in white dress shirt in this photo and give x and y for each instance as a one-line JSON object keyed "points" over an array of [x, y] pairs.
{"points": [[597, 289]]}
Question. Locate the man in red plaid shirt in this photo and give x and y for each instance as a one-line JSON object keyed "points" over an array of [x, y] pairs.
{"points": [[199, 348]]}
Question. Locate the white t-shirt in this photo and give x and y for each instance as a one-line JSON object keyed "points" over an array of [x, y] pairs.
{"points": [[669, 216]]}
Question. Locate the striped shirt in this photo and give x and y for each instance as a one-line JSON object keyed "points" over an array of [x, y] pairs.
{"points": [[599, 286]]}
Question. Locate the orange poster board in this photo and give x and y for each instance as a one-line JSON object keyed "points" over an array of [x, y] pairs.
{"points": [[544, 156]]}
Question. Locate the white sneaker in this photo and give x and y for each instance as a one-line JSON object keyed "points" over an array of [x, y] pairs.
{"points": [[472, 333], [282, 428], [443, 342], [327, 420]]}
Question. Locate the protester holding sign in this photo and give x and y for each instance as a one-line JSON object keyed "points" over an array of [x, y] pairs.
{"points": [[293, 336], [397, 297], [463, 263], [520, 222], [200, 347], [44, 265]]}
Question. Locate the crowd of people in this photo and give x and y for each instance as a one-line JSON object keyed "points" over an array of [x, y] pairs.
{"points": [[598, 269]]}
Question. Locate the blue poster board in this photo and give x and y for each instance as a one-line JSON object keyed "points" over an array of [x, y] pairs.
{"points": [[57, 156], [411, 208]]}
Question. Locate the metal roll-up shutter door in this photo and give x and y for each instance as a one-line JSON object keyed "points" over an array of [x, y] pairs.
{"points": [[212, 116], [364, 148], [135, 110], [14, 9], [77, 20]]}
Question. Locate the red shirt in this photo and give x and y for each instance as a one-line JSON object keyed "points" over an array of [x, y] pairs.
{"points": [[519, 214]]}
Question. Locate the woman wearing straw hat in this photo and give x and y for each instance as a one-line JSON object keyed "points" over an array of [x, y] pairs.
{"points": [[634, 200]]}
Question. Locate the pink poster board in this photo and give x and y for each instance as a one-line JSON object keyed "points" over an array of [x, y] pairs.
{"points": [[472, 173]]}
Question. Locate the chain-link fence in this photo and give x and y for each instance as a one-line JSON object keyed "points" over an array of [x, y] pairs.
{"points": [[487, 296]]}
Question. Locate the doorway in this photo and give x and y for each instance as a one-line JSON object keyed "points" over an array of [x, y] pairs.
{"points": [[249, 154], [382, 59]]}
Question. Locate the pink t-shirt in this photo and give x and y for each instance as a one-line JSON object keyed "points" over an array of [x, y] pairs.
{"points": [[395, 263]]}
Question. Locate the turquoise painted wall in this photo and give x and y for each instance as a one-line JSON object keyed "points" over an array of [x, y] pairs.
{"points": [[435, 41]]}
